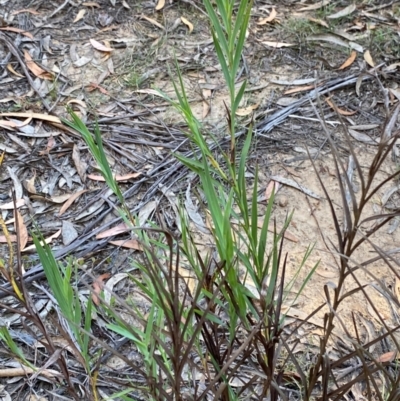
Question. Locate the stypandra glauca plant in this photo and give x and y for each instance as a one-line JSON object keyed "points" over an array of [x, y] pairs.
{"points": [[245, 252]]}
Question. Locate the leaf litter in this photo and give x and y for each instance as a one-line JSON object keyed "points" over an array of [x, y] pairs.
{"points": [[138, 143]]}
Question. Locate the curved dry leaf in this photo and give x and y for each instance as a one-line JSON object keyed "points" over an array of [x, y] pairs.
{"points": [[328, 38], [70, 201], [111, 284], [33, 67], [160, 5], [47, 241], [38, 116], [80, 15], [349, 61], [11, 69], [299, 89], [99, 46], [152, 21], [272, 186], [30, 185], [77, 101], [129, 243], [188, 24], [247, 110], [318, 21], [117, 178], [270, 17], [125, 5], [6, 149], [344, 12], [388, 357], [21, 230], [277, 44], [119, 229], [17, 30], [368, 59], [25, 10], [316, 6], [80, 165], [338, 110], [98, 286], [91, 4], [10, 205]]}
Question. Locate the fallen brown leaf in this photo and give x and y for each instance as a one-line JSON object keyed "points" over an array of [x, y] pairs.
{"points": [[21, 229], [277, 44], [91, 4], [118, 178], [152, 21], [119, 229], [270, 17], [299, 89], [388, 357], [38, 116], [25, 10], [34, 68], [70, 201], [130, 243], [80, 15], [99, 46], [11, 69], [160, 5], [247, 110], [10, 205], [17, 30], [368, 59], [349, 61], [272, 186], [98, 285], [188, 24], [338, 110]]}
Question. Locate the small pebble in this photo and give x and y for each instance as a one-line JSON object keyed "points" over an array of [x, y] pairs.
{"points": [[283, 201]]}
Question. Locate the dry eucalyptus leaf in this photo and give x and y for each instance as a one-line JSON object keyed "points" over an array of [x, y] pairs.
{"points": [[160, 5], [80, 165], [368, 59], [277, 44], [338, 110], [152, 21], [33, 67], [47, 241], [188, 24], [130, 244], [316, 6], [247, 110], [118, 229], [344, 12], [270, 17], [318, 21], [80, 15], [21, 230], [11, 69], [118, 178], [69, 233], [99, 46], [39, 116], [82, 61], [349, 61], [17, 30], [70, 201]]}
